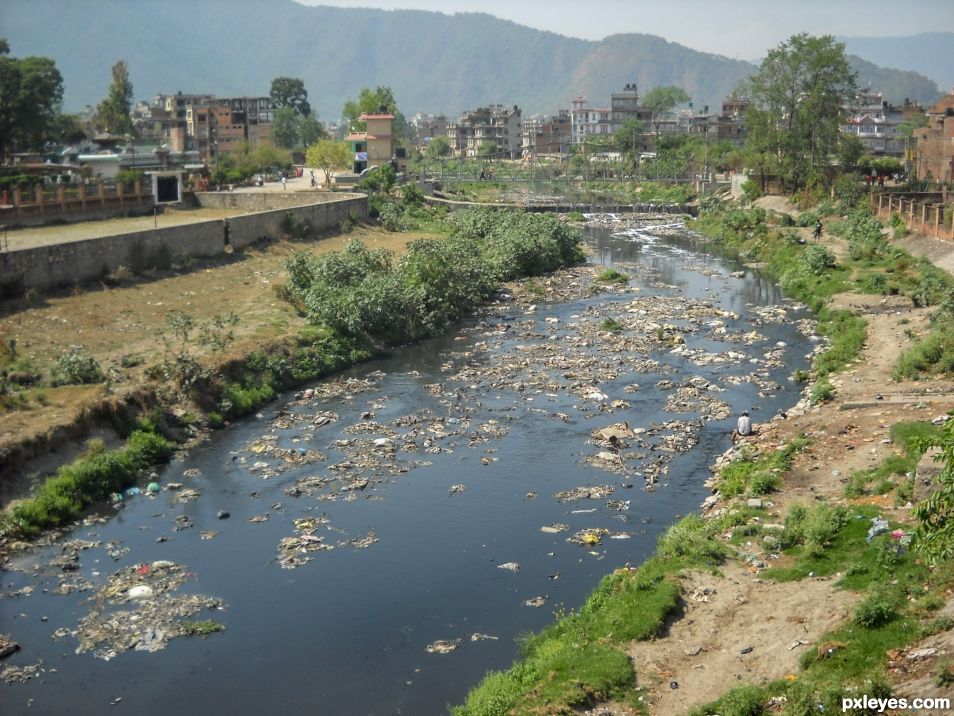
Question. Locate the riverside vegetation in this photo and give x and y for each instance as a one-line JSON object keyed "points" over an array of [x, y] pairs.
{"points": [[581, 661]]}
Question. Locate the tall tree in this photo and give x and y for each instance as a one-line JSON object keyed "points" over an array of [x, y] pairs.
{"points": [[290, 92], [798, 98], [372, 102], [285, 129], [661, 100], [113, 112], [31, 90]]}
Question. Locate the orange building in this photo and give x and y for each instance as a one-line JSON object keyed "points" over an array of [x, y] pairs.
{"points": [[373, 147]]}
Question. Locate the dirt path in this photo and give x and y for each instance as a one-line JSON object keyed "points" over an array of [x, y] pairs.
{"points": [[729, 634]]}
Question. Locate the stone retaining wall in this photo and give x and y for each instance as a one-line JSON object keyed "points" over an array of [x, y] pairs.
{"points": [[75, 262]]}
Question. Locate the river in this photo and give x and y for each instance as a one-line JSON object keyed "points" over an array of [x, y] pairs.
{"points": [[464, 442]]}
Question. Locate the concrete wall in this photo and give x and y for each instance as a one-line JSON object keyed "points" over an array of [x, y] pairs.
{"points": [[75, 262], [249, 228], [266, 200]]}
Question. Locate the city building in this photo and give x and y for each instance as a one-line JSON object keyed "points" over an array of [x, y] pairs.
{"points": [[875, 122], [375, 146], [428, 126], [548, 136], [935, 142], [494, 125], [588, 121]]}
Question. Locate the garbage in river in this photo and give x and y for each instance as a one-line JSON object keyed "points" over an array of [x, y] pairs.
{"points": [[137, 609]]}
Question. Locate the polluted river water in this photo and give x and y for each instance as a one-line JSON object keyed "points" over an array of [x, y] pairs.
{"points": [[376, 543]]}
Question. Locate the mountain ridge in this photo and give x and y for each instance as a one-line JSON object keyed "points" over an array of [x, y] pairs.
{"points": [[433, 62]]}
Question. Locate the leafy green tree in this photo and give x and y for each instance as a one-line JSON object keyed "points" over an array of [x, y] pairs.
{"points": [[113, 112], [310, 130], [290, 93], [850, 149], [285, 129], [628, 138], [438, 147], [31, 90], [329, 156], [488, 149], [661, 100], [906, 128], [372, 102], [798, 98]]}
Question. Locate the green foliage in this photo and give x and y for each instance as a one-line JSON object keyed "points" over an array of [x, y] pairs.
{"points": [[611, 276], [611, 325], [747, 700], [691, 541], [31, 90], [822, 391], [203, 627], [378, 180], [112, 114], [750, 191], [874, 611], [363, 293], [934, 536], [76, 367], [798, 95], [817, 260], [329, 156], [91, 478], [290, 93], [294, 227]]}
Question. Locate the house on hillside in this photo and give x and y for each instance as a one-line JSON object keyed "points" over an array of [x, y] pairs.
{"points": [[935, 143]]}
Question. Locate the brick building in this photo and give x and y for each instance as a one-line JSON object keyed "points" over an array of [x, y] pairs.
{"points": [[935, 143]]}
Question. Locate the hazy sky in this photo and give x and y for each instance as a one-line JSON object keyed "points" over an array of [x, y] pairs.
{"points": [[741, 29]]}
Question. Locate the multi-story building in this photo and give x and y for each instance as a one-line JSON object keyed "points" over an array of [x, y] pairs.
{"points": [[375, 146], [587, 121], [875, 123], [935, 142], [624, 106], [548, 136], [428, 126], [496, 125], [206, 124]]}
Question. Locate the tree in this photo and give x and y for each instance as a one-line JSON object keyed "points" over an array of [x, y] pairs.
{"points": [[310, 130], [487, 150], [661, 100], [31, 90], [628, 138], [328, 156], [850, 149], [290, 93], [372, 102], [797, 105], [113, 112], [285, 129], [438, 147]]}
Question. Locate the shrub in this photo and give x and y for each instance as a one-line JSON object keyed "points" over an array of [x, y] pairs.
{"points": [[691, 539], [874, 611], [611, 276], [76, 367], [822, 391], [750, 191], [816, 260]]}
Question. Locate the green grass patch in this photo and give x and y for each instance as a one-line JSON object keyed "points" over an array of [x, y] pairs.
{"points": [[612, 276], [907, 435], [93, 477], [758, 475], [611, 325], [200, 628]]}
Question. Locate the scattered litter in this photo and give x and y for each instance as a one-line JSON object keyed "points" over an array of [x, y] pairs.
{"points": [[536, 601], [443, 646], [509, 566]]}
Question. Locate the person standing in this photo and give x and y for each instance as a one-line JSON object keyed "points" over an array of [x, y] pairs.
{"points": [[283, 183]]}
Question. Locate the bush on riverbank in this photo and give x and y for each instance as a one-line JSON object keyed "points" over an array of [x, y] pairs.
{"points": [[361, 293], [92, 478]]}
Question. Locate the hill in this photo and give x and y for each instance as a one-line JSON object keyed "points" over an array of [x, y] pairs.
{"points": [[433, 62], [928, 53]]}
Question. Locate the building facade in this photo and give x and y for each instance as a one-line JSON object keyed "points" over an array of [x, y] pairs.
{"points": [[494, 125], [548, 136], [935, 143]]}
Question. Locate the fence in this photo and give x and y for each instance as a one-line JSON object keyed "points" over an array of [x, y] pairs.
{"points": [[928, 218], [69, 200]]}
